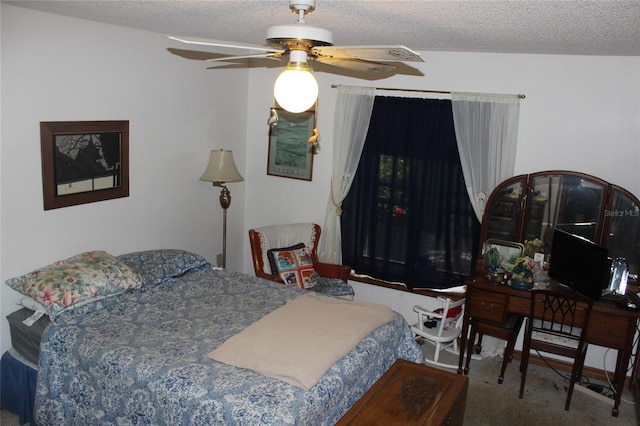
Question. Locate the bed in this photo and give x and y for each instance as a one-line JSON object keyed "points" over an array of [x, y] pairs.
{"points": [[142, 355]]}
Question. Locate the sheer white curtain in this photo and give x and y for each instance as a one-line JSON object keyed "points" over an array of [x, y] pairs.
{"points": [[487, 131], [351, 122]]}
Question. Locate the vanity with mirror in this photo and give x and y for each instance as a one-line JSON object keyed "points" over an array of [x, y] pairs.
{"points": [[527, 208], [525, 212]]}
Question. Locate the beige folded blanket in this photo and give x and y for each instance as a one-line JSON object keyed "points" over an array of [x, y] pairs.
{"points": [[300, 341]]}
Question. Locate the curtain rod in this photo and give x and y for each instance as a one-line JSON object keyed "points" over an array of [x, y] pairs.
{"points": [[443, 92]]}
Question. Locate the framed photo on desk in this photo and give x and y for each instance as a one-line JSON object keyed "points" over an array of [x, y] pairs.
{"points": [[508, 252]]}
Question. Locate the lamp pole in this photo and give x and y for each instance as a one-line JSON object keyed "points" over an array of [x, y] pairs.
{"points": [[225, 202]]}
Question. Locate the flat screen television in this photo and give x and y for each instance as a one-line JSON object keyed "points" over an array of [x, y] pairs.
{"points": [[579, 264]]}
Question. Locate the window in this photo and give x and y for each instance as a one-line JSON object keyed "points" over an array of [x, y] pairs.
{"points": [[407, 217]]}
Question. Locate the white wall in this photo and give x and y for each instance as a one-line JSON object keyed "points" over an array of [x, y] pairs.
{"points": [[580, 113], [61, 69]]}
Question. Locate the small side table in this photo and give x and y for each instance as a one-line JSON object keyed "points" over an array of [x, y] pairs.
{"points": [[411, 394]]}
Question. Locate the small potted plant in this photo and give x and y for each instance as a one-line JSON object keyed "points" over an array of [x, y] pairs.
{"points": [[492, 260]]}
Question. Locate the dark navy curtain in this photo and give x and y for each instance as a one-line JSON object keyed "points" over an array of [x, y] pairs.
{"points": [[408, 217]]}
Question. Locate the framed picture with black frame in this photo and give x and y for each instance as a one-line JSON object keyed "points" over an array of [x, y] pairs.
{"points": [[290, 153], [84, 162]]}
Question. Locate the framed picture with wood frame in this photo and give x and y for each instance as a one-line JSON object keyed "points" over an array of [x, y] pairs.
{"points": [[290, 153], [84, 162]]}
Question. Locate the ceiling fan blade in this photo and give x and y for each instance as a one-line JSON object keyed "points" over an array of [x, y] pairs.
{"points": [[375, 53], [227, 44], [252, 56], [357, 65]]}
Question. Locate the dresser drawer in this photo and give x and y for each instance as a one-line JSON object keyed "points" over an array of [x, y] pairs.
{"points": [[487, 305], [519, 305], [608, 330]]}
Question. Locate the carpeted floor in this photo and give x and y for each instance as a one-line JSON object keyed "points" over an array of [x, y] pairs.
{"points": [[8, 419], [493, 404]]}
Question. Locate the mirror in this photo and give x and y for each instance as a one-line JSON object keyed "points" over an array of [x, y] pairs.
{"points": [[570, 203], [624, 229], [504, 211], [527, 208]]}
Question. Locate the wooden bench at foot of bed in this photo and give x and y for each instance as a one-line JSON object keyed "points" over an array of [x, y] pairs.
{"points": [[411, 394]]}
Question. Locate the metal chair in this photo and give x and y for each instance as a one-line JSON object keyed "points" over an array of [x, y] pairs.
{"points": [[441, 327], [557, 324]]}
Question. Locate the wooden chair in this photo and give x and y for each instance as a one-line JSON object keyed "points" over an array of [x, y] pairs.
{"points": [[508, 331], [333, 277], [441, 327], [557, 324]]}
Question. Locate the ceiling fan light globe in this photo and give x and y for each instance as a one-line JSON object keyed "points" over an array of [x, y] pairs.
{"points": [[296, 90]]}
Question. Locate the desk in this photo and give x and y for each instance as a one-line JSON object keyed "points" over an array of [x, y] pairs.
{"points": [[609, 325]]}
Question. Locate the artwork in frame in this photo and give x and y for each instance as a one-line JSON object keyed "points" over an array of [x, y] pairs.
{"points": [[84, 162], [290, 153]]}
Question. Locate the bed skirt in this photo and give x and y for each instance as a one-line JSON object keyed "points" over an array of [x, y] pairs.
{"points": [[17, 387]]}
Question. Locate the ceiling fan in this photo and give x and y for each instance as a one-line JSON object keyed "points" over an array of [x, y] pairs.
{"points": [[296, 89]]}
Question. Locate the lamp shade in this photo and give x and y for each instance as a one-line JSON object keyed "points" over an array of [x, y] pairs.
{"points": [[221, 168]]}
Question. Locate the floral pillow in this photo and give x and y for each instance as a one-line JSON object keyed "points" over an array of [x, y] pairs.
{"points": [[80, 279], [294, 265], [156, 266]]}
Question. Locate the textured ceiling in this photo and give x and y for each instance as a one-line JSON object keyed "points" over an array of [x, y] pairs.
{"points": [[550, 27]]}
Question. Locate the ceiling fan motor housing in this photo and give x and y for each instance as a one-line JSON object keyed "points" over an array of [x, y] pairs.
{"points": [[298, 36]]}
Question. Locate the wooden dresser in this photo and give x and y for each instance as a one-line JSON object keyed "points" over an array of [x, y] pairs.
{"points": [[411, 394]]}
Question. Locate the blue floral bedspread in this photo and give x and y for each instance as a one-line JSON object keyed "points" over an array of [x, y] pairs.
{"points": [[141, 358]]}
